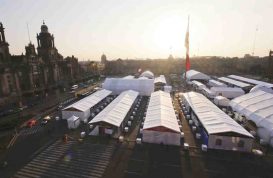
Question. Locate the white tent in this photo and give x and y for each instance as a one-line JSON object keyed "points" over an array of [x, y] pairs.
{"points": [[73, 122], [160, 125], [161, 79], [251, 81], [228, 92], [82, 107], [118, 85], [195, 75], [221, 101], [129, 77], [198, 85], [257, 107], [208, 93], [218, 130], [215, 83], [263, 88], [114, 114], [147, 74], [234, 82]]}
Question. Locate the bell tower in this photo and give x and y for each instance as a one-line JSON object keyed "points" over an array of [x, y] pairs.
{"points": [[4, 46], [46, 47]]}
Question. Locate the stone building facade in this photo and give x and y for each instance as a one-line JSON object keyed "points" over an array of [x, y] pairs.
{"points": [[34, 72]]}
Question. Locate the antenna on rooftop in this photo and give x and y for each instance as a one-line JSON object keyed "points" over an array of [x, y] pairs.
{"points": [[28, 33], [254, 42]]}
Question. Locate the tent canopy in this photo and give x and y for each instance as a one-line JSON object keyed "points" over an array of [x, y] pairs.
{"points": [[256, 106], [89, 101], [147, 74], [213, 119], [221, 101], [234, 82], [198, 84], [263, 88], [160, 79], [195, 75], [118, 85], [251, 81], [117, 110], [160, 112], [215, 83]]}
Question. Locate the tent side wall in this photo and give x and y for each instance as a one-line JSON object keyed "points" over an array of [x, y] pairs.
{"points": [[230, 143], [82, 115], [167, 138]]}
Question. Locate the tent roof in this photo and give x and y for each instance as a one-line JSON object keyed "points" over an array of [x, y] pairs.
{"points": [[208, 91], [251, 81], [89, 101], [226, 89], [263, 88], [199, 84], [117, 110], [160, 79], [160, 112], [212, 118], [147, 74], [195, 75], [129, 77], [256, 106], [216, 83], [234, 82], [118, 85]]}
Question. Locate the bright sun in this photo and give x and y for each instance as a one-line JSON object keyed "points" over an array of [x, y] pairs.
{"points": [[170, 33]]}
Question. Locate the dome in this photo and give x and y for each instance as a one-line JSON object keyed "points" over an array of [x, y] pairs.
{"points": [[147, 74], [262, 88], [44, 28]]}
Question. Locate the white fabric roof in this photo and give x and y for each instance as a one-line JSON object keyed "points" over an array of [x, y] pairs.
{"points": [[147, 74], [118, 85], [195, 75], [212, 118], [227, 89], [251, 81], [234, 82], [160, 79], [89, 101], [215, 83], [129, 77], [263, 88], [117, 110], [221, 101], [198, 84], [160, 112], [256, 106]]}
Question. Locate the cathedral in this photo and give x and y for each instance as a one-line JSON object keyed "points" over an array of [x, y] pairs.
{"points": [[35, 72]]}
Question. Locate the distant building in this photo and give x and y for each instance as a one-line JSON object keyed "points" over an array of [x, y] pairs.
{"points": [[33, 73], [103, 59], [170, 57]]}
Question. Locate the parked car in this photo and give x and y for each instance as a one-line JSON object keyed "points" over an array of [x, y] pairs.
{"points": [[31, 123], [46, 119]]}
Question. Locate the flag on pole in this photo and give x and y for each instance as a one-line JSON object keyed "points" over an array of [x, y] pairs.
{"points": [[187, 45]]}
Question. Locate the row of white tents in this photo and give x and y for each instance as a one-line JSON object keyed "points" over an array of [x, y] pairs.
{"points": [[160, 125], [257, 107], [217, 129], [112, 119], [82, 108]]}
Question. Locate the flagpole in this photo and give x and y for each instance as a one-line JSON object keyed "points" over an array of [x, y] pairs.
{"points": [[187, 62]]}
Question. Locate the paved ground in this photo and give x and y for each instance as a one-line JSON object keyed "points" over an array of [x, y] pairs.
{"points": [[69, 160]]}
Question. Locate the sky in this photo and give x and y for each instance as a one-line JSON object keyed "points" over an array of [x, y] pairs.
{"points": [[142, 28]]}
